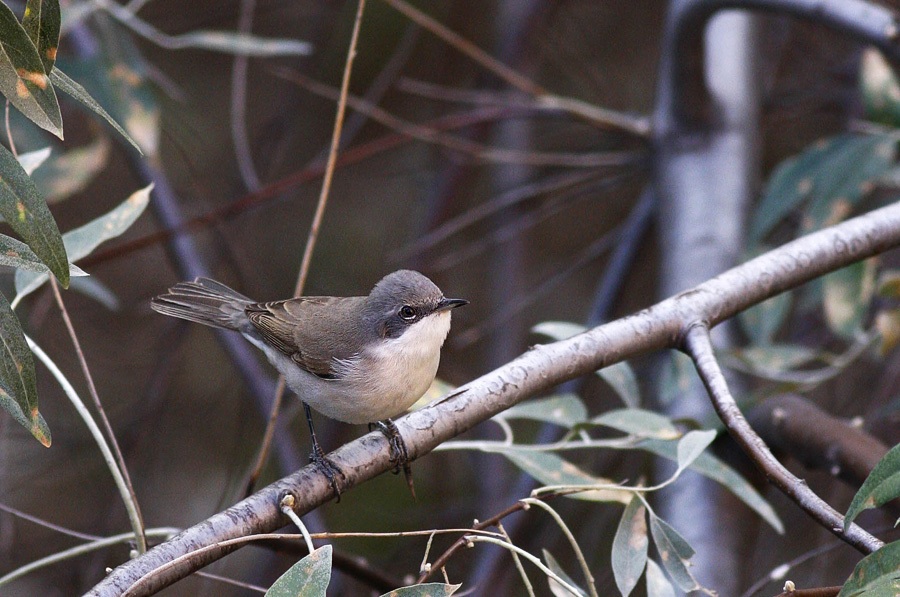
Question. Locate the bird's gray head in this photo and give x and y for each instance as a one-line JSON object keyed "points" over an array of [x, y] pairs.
{"points": [[403, 298]]}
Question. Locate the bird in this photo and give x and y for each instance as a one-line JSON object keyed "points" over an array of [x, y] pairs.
{"points": [[357, 359]]}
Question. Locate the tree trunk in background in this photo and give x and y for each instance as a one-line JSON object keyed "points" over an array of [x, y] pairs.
{"points": [[706, 175]]}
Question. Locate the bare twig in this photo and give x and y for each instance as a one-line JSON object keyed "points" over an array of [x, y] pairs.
{"points": [[476, 150], [538, 370], [92, 390], [596, 115], [239, 137], [698, 346]]}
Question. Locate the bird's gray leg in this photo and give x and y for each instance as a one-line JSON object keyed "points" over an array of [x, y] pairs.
{"points": [[399, 454], [317, 457]]}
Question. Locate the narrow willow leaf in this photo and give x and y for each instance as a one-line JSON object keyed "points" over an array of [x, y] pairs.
{"points": [[621, 378], [558, 330], [32, 160], [629, 548], [657, 583], [70, 172], [550, 469], [713, 468], [23, 79], [635, 421], [881, 486], [41, 22], [692, 445], [80, 242], [566, 410], [880, 88], [876, 575], [846, 294], [763, 320], [240, 44], [27, 213], [17, 254], [431, 589], [775, 359], [17, 379], [555, 587], [307, 578], [76, 91], [675, 553]]}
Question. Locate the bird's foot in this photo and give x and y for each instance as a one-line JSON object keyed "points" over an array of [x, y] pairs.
{"points": [[327, 468], [399, 453]]}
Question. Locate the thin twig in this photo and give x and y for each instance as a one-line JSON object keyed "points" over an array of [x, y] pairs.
{"points": [[47, 524], [600, 116], [239, 137], [327, 177], [477, 150], [698, 346], [92, 390]]}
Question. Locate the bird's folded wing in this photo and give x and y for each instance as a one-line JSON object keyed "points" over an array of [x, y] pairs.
{"points": [[287, 326]]}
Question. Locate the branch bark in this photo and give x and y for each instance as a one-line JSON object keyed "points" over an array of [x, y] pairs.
{"points": [[541, 368]]}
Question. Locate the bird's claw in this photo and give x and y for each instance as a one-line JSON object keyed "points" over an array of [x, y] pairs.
{"points": [[327, 468], [399, 453]]}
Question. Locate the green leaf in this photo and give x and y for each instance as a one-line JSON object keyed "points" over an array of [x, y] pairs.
{"points": [[847, 177], [846, 297], [28, 214], [775, 359], [639, 422], [41, 22], [629, 548], [833, 175], [555, 587], [675, 552], [307, 578], [713, 468], [881, 486], [80, 242], [876, 575], [558, 330], [566, 410], [880, 88], [71, 172], [239, 44], [692, 445], [18, 391], [657, 583], [32, 160], [23, 79], [17, 254], [762, 321], [431, 589], [77, 92], [677, 377], [550, 469], [621, 378]]}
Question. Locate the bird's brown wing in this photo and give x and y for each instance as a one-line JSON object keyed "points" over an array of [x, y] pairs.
{"points": [[290, 326]]}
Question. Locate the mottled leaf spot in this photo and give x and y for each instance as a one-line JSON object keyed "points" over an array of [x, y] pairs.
{"points": [[22, 211], [51, 54], [804, 186], [22, 90], [36, 78]]}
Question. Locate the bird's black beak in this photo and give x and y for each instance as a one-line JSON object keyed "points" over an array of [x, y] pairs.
{"points": [[446, 304]]}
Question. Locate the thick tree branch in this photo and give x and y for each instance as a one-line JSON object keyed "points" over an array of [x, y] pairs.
{"points": [[698, 345], [794, 425], [538, 370], [863, 20]]}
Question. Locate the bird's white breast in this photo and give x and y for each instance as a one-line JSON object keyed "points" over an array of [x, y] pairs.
{"points": [[381, 382]]}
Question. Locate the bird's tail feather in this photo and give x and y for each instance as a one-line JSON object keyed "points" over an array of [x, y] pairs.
{"points": [[204, 301]]}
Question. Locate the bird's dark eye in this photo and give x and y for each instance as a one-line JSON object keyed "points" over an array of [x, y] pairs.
{"points": [[407, 313]]}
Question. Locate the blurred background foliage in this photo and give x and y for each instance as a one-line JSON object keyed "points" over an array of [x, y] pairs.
{"points": [[182, 413]]}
